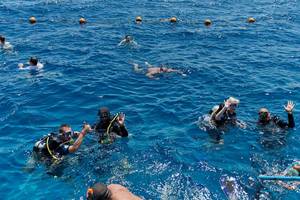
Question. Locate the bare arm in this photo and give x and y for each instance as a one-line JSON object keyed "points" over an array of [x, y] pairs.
{"points": [[174, 70], [122, 42], [79, 140], [119, 192], [219, 115], [286, 186]]}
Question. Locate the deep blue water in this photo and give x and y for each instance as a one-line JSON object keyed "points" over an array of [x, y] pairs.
{"points": [[167, 156]]}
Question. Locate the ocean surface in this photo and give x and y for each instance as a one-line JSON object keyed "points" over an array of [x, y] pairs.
{"points": [[170, 153]]}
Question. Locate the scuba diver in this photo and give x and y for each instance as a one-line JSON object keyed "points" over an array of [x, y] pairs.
{"points": [[109, 127], [225, 113], [100, 191], [55, 146], [265, 117]]}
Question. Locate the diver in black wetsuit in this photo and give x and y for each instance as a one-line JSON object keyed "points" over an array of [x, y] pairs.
{"points": [[225, 113], [55, 146], [109, 127], [265, 117]]}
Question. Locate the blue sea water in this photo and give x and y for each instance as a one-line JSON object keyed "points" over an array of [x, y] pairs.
{"points": [[168, 155]]}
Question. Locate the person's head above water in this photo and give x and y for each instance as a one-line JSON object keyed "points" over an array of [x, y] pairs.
{"points": [[138, 19], [98, 192], [128, 38], [64, 128], [163, 69], [264, 115], [2, 39], [173, 19], [232, 103], [66, 131], [104, 114], [33, 61]]}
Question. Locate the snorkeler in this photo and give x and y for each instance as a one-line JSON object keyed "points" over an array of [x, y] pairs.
{"points": [[57, 145], [34, 64], [5, 45], [128, 40], [108, 127], [265, 117], [292, 170], [152, 70], [225, 113], [100, 191]]}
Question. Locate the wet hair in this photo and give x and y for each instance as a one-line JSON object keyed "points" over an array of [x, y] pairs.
{"points": [[61, 128], [233, 100], [2, 39], [128, 37], [98, 192], [104, 114], [34, 61]]}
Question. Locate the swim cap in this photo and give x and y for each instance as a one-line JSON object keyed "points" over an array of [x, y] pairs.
{"points": [[98, 192]]}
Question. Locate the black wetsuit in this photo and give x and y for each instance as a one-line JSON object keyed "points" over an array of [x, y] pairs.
{"points": [[58, 146], [280, 123], [115, 129], [226, 118]]}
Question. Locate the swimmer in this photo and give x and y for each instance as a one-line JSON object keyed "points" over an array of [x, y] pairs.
{"points": [[34, 64], [265, 117], [172, 20], [152, 70], [138, 20], [128, 40], [226, 113], [292, 170], [108, 127], [5, 45], [82, 21], [207, 22], [57, 145], [32, 20], [111, 192]]}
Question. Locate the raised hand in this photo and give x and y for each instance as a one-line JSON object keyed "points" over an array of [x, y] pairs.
{"points": [[121, 119], [226, 104], [289, 107], [87, 128]]}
